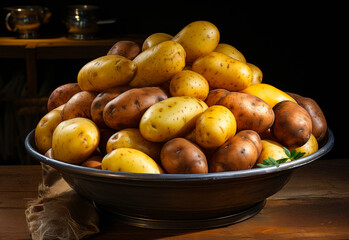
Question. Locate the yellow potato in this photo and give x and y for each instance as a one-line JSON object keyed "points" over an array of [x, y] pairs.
{"points": [[106, 72], [257, 74], [311, 146], [189, 83], [222, 71], [155, 39], [130, 160], [214, 127], [74, 140], [268, 93], [198, 38], [271, 149], [132, 138], [158, 64], [44, 129], [170, 118], [230, 51]]}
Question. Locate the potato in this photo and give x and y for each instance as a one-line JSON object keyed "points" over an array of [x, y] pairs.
{"points": [[158, 64], [132, 138], [155, 39], [126, 110], [170, 118], [239, 152], [292, 126], [61, 95], [214, 126], [230, 51], [127, 49], [44, 129], [106, 72], [74, 140], [101, 100], [222, 71], [271, 149], [79, 105], [310, 147], [130, 160], [250, 111], [268, 93], [257, 74], [48, 153], [318, 120], [189, 83], [198, 38], [93, 162], [215, 95], [181, 156]]}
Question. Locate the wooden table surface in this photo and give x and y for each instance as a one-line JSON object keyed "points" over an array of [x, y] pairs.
{"points": [[313, 205]]}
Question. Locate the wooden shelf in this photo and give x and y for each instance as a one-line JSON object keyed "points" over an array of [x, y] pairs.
{"points": [[33, 50]]}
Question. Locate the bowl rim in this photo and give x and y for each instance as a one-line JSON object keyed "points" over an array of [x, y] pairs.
{"points": [[81, 170]]}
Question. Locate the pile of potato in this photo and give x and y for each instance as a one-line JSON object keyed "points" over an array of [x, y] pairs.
{"points": [[180, 104]]}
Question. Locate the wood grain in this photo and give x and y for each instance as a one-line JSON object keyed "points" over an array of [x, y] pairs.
{"points": [[313, 205]]}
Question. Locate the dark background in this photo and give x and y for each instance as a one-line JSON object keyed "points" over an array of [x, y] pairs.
{"points": [[298, 46]]}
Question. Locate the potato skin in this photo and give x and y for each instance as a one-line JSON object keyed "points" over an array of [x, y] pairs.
{"points": [[180, 156], [126, 110], [311, 146], [101, 100], [189, 83], [74, 140], [127, 49], [61, 95], [132, 138], [230, 51], [93, 162], [130, 160], [257, 74], [158, 64], [170, 118], [250, 111], [198, 38], [222, 71], [155, 39], [79, 105], [215, 95], [106, 72], [45, 128], [292, 126], [268, 93], [237, 153], [271, 148], [214, 126], [319, 123]]}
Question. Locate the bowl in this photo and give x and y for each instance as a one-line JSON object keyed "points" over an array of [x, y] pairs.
{"points": [[179, 201]]}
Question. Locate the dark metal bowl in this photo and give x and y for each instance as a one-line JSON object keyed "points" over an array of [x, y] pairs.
{"points": [[179, 201]]}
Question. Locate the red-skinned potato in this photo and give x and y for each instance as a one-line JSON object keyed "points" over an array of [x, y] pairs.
{"points": [[237, 153], [78, 106], [215, 95], [127, 49], [94, 161], [126, 110], [319, 123], [292, 126], [181, 156], [61, 95], [250, 111], [101, 100]]}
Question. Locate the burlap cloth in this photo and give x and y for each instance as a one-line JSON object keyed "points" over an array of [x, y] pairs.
{"points": [[59, 212]]}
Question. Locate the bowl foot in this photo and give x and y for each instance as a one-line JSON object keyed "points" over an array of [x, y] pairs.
{"points": [[187, 224]]}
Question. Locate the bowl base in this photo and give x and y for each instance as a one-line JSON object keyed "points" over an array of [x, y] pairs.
{"points": [[186, 224]]}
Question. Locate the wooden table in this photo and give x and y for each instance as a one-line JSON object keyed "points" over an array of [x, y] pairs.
{"points": [[313, 205]]}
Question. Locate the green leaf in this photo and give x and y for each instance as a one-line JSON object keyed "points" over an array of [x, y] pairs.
{"points": [[287, 152], [274, 161]]}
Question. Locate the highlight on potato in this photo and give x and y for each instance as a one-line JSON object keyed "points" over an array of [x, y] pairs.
{"points": [[180, 103]]}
